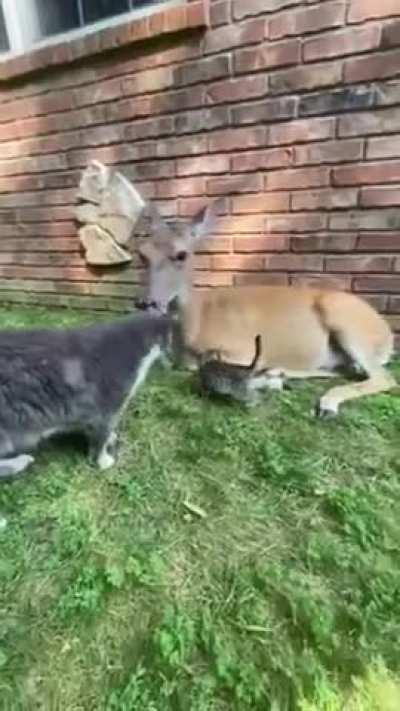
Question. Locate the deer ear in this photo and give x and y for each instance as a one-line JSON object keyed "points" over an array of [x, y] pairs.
{"points": [[156, 221], [203, 223]]}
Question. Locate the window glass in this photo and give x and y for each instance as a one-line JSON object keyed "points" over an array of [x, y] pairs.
{"points": [[99, 9], [4, 44], [143, 3], [57, 16]]}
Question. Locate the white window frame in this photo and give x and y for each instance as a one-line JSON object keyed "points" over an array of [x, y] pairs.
{"points": [[22, 24]]}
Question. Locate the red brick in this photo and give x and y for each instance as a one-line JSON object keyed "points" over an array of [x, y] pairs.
{"points": [[238, 262], [176, 100], [100, 135], [379, 242], [387, 283], [139, 130], [257, 7], [329, 152], [181, 146], [48, 103], [237, 89], [266, 111], [185, 187], [391, 35], [203, 165], [47, 213], [267, 202], [168, 208], [268, 56], [322, 281], [212, 278], [42, 229], [367, 173], [96, 93], [305, 77], [235, 184], [175, 18], [383, 147], [394, 304], [201, 119], [361, 10], [222, 243], [220, 13], [18, 245], [382, 121], [148, 191], [34, 165], [327, 242], [40, 145], [377, 66], [298, 178], [197, 15], [252, 278], [339, 44], [293, 262], [53, 273], [304, 130], [204, 70], [394, 322], [23, 182], [234, 36], [235, 224], [358, 263], [39, 198], [328, 199], [150, 171], [261, 243], [380, 197], [149, 81], [297, 223], [202, 261], [108, 154], [383, 219], [273, 158], [323, 16], [189, 206], [377, 301], [389, 93], [235, 138]]}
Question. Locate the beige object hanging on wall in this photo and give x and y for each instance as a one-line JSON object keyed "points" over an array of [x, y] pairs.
{"points": [[109, 212]]}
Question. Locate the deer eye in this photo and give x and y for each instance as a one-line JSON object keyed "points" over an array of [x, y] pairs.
{"points": [[179, 257]]}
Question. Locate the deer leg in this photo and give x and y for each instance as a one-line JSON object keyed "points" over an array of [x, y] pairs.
{"points": [[377, 382], [304, 374]]}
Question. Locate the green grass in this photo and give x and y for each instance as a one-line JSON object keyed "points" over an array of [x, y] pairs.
{"points": [[233, 560]]}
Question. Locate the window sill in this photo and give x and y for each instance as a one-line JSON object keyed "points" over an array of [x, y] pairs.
{"points": [[171, 20]]}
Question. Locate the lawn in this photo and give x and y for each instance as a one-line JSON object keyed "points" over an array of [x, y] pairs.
{"points": [[234, 559]]}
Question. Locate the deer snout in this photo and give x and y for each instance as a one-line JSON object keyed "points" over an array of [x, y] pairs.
{"points": [[148, 306]]}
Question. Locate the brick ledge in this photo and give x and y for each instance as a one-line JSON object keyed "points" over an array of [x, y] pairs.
{"points": [[171, 20]]}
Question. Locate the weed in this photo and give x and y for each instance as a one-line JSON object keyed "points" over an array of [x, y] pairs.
{"points": [[284, 595]]}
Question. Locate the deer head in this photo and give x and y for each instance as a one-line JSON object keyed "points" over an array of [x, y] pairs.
{"points": [[168, 258]]}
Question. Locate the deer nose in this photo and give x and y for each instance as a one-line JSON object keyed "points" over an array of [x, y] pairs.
{"points": [[146, 305]]}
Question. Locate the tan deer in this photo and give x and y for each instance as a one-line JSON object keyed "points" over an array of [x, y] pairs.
{"points": [[307, 332]]}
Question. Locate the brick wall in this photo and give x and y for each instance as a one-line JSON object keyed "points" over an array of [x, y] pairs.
{"points": [[289, 108]]}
